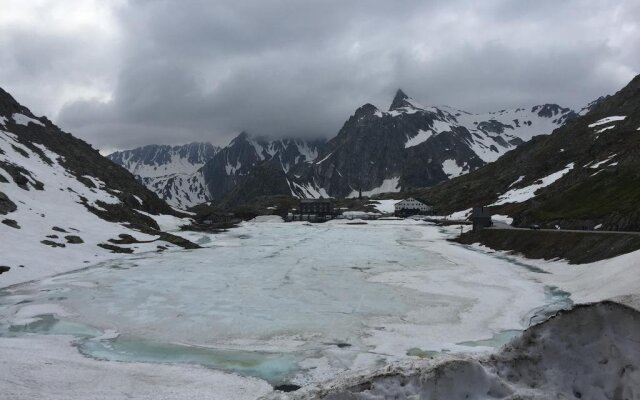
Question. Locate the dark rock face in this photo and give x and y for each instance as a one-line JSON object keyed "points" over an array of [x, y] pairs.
{"points": [[237, 161], [73, 239], [266, 179], [400, 100], [11, 222], [6, 205], [115, 249], [4, 269], [52, 243]]}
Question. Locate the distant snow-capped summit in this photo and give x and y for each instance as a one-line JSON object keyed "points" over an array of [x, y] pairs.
{"points": [[154, 160]]}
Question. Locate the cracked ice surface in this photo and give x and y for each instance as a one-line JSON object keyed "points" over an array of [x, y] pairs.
{"points": [[285, 301]]}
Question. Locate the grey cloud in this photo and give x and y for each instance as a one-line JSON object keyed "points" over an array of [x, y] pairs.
{"points": [[201, 70]]}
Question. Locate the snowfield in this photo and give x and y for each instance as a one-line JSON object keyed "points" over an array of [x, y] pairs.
{"points": [[523, 194], [317, 305], [38, 220]]}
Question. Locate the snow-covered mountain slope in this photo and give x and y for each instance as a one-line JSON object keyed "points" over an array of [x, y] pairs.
{"points": [[236, 161], [184, 184], [585, 174], [62, 205], [170, 171], [153, 161], [180, 190]]}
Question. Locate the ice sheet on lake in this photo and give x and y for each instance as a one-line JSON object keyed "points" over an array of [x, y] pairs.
{"points": [[326, 297]]}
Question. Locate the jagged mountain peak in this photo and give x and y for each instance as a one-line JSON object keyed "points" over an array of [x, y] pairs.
{"points": [[242, 136], [401, 100], [14, 113], [366, 109]]}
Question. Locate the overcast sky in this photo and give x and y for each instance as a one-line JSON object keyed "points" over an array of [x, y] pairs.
{"points": [[125, 73]]}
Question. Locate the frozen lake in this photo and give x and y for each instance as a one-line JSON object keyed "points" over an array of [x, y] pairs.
{"points": [[288, 302]]}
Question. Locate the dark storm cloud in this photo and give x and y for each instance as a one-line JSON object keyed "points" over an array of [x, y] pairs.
{"points": [[173, 71]]}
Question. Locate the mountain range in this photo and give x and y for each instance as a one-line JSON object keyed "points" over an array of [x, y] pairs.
{"points": [[584, 175], [376, 151]]}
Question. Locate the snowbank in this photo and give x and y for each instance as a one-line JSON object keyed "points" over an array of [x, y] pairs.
{"points": [[48, 367], [591, 352]]}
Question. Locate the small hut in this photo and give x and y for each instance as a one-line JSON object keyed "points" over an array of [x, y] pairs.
{"points": [[481, 218]]}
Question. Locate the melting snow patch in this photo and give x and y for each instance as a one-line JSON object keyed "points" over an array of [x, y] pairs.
{"points": [[452, 169], [22, 119], [605, 128], [231, 169], [598, 164], [608, 120], [517, 181], [528, 192], [387, 186], [502, 218], [324, 158], [385, 206], [421, 137]]}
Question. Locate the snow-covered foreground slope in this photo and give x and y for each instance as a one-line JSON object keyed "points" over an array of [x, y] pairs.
{"points": [[49, 368], [54, 214], [590, 352], [60, 201]]}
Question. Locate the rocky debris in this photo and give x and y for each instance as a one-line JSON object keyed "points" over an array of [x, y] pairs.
{"points": [[115, 249], [52, 236], [86, 181], [177, 240], [6, 205], [58, 229], [73, 239], [4, 269], [286, 387], [19, 176], [11, 222], [52, 243], [575, 247], [126, 239]]}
